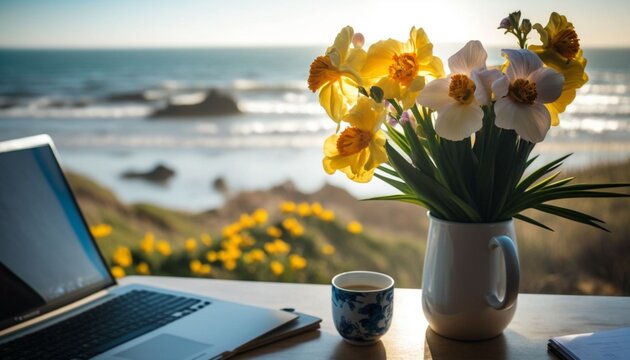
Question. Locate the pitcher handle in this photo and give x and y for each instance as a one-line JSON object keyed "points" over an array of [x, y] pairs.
{"points": [[512, 272]]}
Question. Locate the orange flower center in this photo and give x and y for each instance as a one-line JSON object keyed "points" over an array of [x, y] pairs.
{"points": [[352, 140], [523, 91], [461, 89], [567, 43], [322, 71], [404, 68]]}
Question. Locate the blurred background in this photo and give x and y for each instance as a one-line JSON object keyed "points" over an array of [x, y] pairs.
{"points": [[189, 124]]}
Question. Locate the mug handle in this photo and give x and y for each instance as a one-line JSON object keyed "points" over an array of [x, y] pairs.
{"points": [[512, 272]]}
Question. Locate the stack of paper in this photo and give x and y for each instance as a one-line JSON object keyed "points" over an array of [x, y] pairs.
{"points": [[604, 345]]}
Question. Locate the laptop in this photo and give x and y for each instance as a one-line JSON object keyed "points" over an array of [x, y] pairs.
{"points": [[58, 299]]}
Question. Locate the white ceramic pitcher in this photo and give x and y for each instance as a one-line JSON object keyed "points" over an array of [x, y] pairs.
{"points": [[470, 279]]}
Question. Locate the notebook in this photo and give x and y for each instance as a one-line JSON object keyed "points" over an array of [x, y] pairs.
{"points": [[59, 300], [601, 345]]}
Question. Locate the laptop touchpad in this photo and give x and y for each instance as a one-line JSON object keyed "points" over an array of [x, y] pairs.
{"points": [[163, 346]]}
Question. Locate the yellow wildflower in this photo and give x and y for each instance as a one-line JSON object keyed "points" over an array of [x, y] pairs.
{"points": [[195, 266], [316, 208], [190, 245], [163, 247], [276, 267], [246, 221], [100, 230], [118, 272], [147, 243], [206, 239], [327, 215], [287, 207], [122, 256], [399, 69], [211, 256], [205, 269], [355, 227], [328, 249], [231, 229], [254, 256], [274, 232], [248, 240], [229, 265], [260, 216], [293, 226], [560, 50], [297, 230], [336, 75], [360, 148], [143, 268], [297, 262], [304, 210]]}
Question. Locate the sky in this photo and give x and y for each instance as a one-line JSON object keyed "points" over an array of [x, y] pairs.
{"points": [[195, 23]]}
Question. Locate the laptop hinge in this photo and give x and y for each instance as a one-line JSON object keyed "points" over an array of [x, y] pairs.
{"points": [[55, 313]]}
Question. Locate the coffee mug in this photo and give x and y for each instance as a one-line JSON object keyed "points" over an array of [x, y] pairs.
{"points": [[362, 305]]}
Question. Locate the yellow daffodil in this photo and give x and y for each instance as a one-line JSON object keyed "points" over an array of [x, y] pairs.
{"points": [[560, 50], [211, 256], [287, 207], [355, 227], [246, 221], [360, 148], [147, 243], [336, 74], [399, 69], [100, 230], [190, 245], [276, 267], [522, 94], [297, 262], [118, 272], [122, 256], [328, 249], [206, 239], [143, 268], [163, 247]]}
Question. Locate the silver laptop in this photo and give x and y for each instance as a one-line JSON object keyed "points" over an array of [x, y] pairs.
{"points": [[58, 299]]}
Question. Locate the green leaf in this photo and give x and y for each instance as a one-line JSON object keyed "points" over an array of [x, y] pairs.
{"points": [[403, 198], [571, 215], [532, 221], [399, 185]]}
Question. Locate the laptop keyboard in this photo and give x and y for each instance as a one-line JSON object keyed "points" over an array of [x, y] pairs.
{"points": [[103, 327]]}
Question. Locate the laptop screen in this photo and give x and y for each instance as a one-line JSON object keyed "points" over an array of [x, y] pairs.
{"points": [[47, 255]]}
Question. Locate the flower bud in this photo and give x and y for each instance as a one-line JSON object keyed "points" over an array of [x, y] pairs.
{"points": [[515, 17], [505, 24], [526, 26], [358, 40]]}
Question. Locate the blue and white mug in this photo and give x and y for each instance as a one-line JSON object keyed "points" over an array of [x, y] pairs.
{"points": [[362, 305]]}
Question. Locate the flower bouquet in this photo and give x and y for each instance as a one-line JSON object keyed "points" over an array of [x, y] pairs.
{"points": [[459, 145]]}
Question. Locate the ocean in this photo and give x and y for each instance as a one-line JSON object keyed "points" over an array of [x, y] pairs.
{"points": [[97, 106]]}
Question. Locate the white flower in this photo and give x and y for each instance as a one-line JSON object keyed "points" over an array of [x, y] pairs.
{"points": [[457, 97], [521, 93]]}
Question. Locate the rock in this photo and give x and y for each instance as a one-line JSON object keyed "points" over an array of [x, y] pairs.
{"points": [[127, 97], [159, 174], [220, 185], [215, 103]]}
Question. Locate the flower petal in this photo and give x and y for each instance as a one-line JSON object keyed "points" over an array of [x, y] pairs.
{"points": [[435, 94], [522, 63], [548, 84], [379, 57], [457, 121], [531, 122], [501, 86], [472, 56], [483, 80], [339, 50]]}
